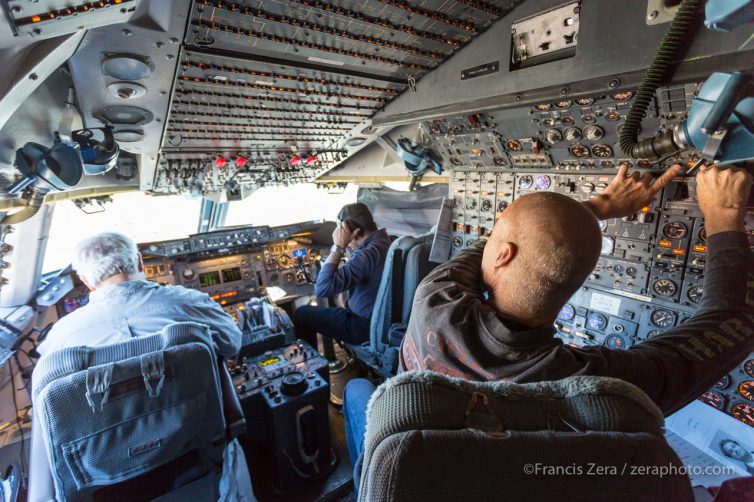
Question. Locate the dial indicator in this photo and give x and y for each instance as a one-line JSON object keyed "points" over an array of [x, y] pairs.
{"points": [[567, 312], [714, 399], [746, 389], [695, 293], [596, 321], [665, 287], [743, 412], [675, 230], [572, 133], [662, 318], [579, 151], [525, 182], [593, 132], [542, 182]]}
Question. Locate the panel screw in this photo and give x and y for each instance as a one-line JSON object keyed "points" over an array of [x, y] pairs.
{"points": [[564, 91], [653, 15], [34, 76], [127, 32], [613, 83], [519, 98]]}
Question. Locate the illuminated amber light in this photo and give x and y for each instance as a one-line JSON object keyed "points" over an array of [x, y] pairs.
{"points": [[700, 249], [36, 19], [679, 251], [665, 244]]}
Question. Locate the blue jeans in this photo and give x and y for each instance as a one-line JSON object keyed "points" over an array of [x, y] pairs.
{"points": [[337, 323], [355, 398]]}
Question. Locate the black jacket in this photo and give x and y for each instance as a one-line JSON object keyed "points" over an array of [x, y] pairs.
{"points": [[453, 330]]}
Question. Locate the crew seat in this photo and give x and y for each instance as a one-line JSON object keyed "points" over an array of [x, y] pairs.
{"points": [[584, 438], [406, 265], [148, 419]]}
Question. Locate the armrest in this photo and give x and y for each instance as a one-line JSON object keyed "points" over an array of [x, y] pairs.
{"points": [[41, 484], [235, 422]]}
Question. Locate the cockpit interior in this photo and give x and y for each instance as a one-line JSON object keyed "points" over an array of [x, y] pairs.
{"points": [[313, 181]]}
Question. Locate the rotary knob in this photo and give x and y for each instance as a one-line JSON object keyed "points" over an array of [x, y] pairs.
{"points": [[293, 384]]}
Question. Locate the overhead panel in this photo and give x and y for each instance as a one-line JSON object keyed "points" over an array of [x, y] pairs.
{"points": [[290, 86]]}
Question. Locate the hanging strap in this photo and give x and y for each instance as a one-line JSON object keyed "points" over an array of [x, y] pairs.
{"points": [[98, 380], [153, 368]]}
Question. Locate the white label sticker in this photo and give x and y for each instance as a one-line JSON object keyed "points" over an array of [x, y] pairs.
{"points": [[605, 303]]}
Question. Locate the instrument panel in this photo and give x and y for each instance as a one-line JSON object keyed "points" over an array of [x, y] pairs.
{"points": [[649, 276], [234, 265]]}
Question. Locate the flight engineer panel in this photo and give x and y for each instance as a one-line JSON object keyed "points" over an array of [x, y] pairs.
{"points": [[649, 276]]}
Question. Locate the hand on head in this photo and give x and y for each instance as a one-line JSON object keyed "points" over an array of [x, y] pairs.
{"points": [[628, 194], [343, 236], [722, 194]]}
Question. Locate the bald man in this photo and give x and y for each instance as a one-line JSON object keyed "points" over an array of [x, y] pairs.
{"points": [[488, 313]]}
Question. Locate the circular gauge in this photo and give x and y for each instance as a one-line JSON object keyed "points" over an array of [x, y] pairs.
{"points": [[486, 205], [499, 161], [543, 107], [612, 116], [188, 274], [588, 118], [471, 204], [502, 205], [622, 96], [458, 201], [579, 151], [675, 230], [567, 312], [631, 271], [455, 161], [552, 136], [664, 287], [566, 103], [457, 242], [662, 318], [653, 333], [618, 269], [271, 263], [607, 164], [596, 321], [572, 134], [723, 383], [549, 122], [616, 342], [514, 145], [435, 129], [585, 101], [702, 235], [525, 182], [603, 225], [746, 389], [695, 293], [714, 399], [743, 412], [593, 132], [602, 151], [289, 278], [567, 121], [284, 261], [542, 183], [749, 367], [608, 244]]}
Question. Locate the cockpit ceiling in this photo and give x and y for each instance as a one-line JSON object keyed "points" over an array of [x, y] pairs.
{"points": [[271, 80]]}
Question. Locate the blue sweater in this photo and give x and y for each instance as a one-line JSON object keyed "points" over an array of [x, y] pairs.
{"points": [[360, 276]]}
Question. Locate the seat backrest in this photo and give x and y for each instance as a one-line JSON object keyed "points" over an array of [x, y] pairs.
{"points": [[432, 437], [406, 264], [111, 414]]}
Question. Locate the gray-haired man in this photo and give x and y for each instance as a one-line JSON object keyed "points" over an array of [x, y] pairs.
{"points": [[123, 304]]}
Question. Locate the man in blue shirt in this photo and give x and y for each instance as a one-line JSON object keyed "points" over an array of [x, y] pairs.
{"points": [[360, 277], [122, 304]]}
